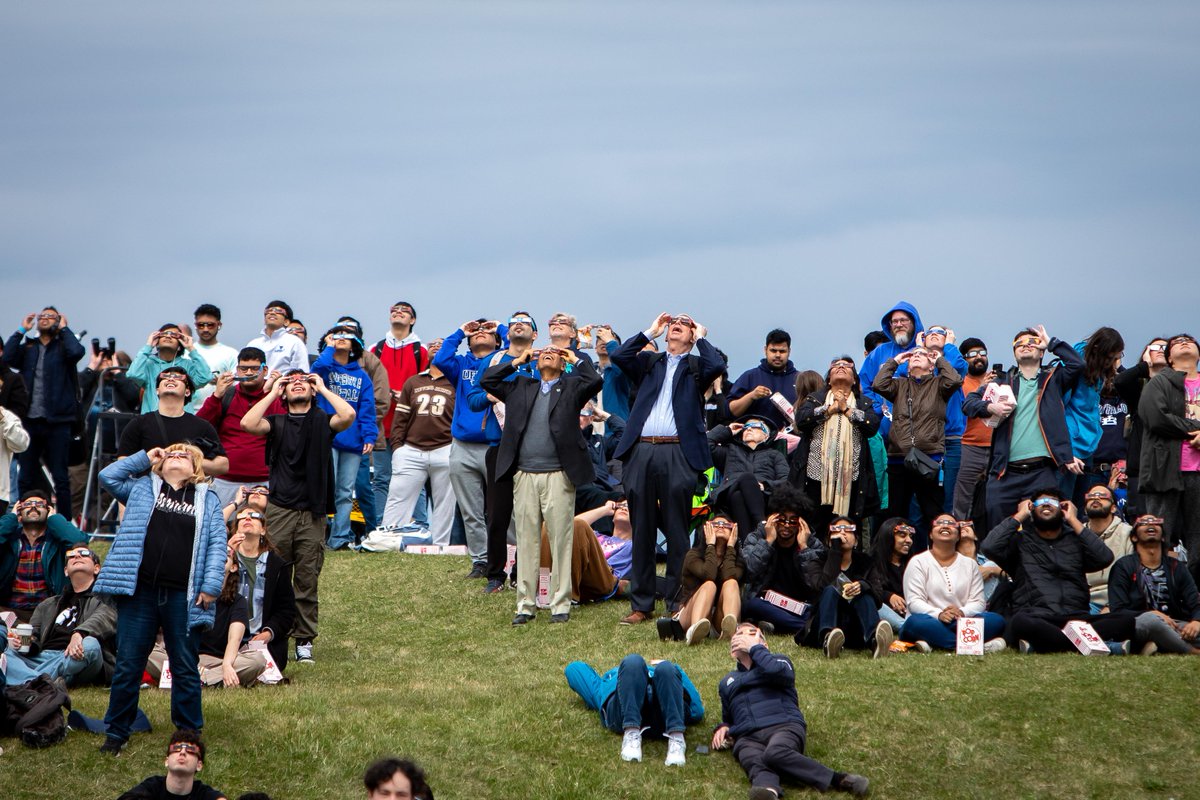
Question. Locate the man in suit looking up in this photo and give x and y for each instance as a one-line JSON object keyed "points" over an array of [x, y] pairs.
{"points": [[543, 451], [664, 446]]}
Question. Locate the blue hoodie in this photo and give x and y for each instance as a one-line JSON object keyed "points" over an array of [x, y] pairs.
{"points": [[468, 424], [351, 383], [956, 421], [1082, 406], [477, 398]]}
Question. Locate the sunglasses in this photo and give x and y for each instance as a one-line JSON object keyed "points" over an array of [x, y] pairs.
{"points": [[250, 515], [560, 321], [250, 369], [47, 316], [206, 325], [683, 319], [184, 747], [621, 507], [841, 365], [843, 528], [909, 529], [975, 354], [755, 426], [297, 331], [178, 454], [722, 523], [34, 504], [936, 332], [1147, 519], [1096, 496], [275, 310], [1046, 501], [80, 552], [951, 523], [789, 522], [398, 309], [258, 490], [1027, 341], [170, 377]]}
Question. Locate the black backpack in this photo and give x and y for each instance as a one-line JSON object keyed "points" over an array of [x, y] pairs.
{"points": [[34, 711]]}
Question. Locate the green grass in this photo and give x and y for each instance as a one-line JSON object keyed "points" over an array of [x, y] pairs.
{"points": [[414, 660]]}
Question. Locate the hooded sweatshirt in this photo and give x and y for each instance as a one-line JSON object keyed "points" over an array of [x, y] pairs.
{"points": [[468, 425], [782, 380], [350, 382]]}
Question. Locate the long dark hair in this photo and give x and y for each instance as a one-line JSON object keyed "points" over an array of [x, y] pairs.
{"points": [[1100, 353], [884, 543]]}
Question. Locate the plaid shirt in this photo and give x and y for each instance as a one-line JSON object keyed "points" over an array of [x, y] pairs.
{"points": [[29, 584]]}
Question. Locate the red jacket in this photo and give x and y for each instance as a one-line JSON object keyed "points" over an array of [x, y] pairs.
{"points": [[401, 364], [247, 453]]}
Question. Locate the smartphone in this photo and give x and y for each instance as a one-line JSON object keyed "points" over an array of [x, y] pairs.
{"points": [[998, 369]]}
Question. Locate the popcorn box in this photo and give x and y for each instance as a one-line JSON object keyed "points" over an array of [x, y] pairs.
{"points": [[969, 638], [271, 675], [783, 405], [543, 592], [164, 681], [437, 549], [8, 618], [1085, 638], [512, 559], [786, 603], [998, 391]]}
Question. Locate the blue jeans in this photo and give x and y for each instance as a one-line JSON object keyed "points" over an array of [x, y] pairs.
{"points": [[138, 619], [345, 471], [638, 698], [372, 491], [891, 618], [950, 463], [834, 612], [756, 608], [943, 635], [56, 664]]}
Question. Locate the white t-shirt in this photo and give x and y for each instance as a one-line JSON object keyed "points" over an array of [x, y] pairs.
{"points": [[220, 358]]}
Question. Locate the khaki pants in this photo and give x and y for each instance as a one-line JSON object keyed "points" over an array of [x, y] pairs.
{"points": [[248, 665], [591, 576], [300, 538], [547, 497]]}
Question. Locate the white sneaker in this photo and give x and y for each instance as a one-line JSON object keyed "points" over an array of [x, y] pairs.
{"points": [[883, 639], [923, 646], [304, 652], [631, 745], [833, 643], [676, 750], [994, 645], [698, 632]]}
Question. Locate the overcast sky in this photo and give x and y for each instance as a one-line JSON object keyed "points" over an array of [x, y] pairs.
{"points": [[801, 165]]}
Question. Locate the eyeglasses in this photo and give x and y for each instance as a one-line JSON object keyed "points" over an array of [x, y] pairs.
{"points": [[909, 529], [975, 354], [342, 336], [170, 377], [621, 507], [789, 522], [1147, 519], [520, 319], [206, 325], [250, 369], [1046, 501], [258, 490], [683, 319], [34, 504], [184, 747], [947, 523], [722, 523], [755, 426], [80, 552], [841, 365], [1096, 496], [561, 321], [399, 308], [843, 528], [275, 310], [250, 515], [47, 316], [1027, 341], [178, 454], [1157, 348], [296, 331]]}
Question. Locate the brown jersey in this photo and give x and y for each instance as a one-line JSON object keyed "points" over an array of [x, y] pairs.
{"points": [[423, 413]]}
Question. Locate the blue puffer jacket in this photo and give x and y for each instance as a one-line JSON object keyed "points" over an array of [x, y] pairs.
{"points": [[119, 575], [763, 695]]}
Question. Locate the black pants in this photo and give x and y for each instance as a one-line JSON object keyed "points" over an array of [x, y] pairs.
{"points": [[659, 485], [902, 487], [1006, 493], [744, 502], [49, 442], [778, 751], [1045, 634], [498, 510]]}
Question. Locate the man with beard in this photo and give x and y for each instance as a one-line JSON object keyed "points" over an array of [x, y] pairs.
{"points": [[901, 324], [1170, 463], [782, 557], [751, 393], [977, 438], [1128, 385], [1159, 590], [1031, 443], [664, 447], [1102, 519], [33, 543], [1048, 551], [299, 454], [220, 358], [235, 393], [168, 347]]}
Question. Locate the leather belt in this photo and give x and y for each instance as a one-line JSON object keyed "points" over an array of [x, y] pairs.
{"points": [[1030, 465], [660, 439]]}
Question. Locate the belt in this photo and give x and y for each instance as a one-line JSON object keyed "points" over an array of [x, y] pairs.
{"points": [[1101, 468], [660, 439], [1029, 465]]}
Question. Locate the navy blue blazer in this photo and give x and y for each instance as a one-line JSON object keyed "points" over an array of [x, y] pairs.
{"points": [[646, 371]]}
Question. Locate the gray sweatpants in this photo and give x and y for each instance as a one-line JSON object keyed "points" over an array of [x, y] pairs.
{"points": [[468, 476]]}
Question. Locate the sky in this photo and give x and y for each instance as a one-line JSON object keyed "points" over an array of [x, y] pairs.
{"points": [[757, 165]]}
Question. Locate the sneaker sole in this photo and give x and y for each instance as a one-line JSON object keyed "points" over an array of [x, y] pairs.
{"points": [[833, 647]]}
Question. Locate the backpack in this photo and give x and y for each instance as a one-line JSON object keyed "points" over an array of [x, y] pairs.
{"points": [[34, 711], [416, 351]]}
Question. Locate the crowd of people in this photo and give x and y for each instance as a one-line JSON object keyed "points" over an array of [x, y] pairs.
{"points": [[849, 507]]}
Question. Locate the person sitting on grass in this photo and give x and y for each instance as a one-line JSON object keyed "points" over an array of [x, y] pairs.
{"points": [[1048, 552], [941, 586], [185, 759], [264, 579], [223, 661], [745, 454], [593, 576], [846, 602], [891, 548], [1159, 589], [968, 545], [761, 719], [783, 559], [634, 697], [396, 779], [709, 590]]}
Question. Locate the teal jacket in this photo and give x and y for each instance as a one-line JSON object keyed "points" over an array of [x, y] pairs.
{"points": [[60, 537]]}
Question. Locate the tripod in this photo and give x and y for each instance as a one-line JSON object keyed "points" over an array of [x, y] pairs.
{"points": [[111, 421]]}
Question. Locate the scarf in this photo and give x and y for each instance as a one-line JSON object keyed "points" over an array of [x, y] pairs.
{"points": [[837, 459]]}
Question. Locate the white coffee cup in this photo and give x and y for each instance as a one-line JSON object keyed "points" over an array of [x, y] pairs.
{"points": [[24, 632]]}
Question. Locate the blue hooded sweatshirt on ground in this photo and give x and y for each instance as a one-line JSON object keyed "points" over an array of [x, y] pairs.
{"points": [[351, 383]]}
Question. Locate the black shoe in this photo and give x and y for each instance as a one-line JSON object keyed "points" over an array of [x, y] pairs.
{"points": [[113, 746], [560, 618], [493, 587], [857, 785], [522, 619], [478, 570], [669, 628]]}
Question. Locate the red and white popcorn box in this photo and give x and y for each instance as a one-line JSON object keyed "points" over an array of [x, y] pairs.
{"points": [[786, 603], [543, 592], [969, 637], [8, 618], [1085, 638], [271, 675], [437, 549], [512, 559], [783, 405], [164, 681]]}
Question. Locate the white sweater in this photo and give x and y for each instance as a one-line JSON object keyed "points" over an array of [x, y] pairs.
{"points": [[13, 439], [929, 587]]}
